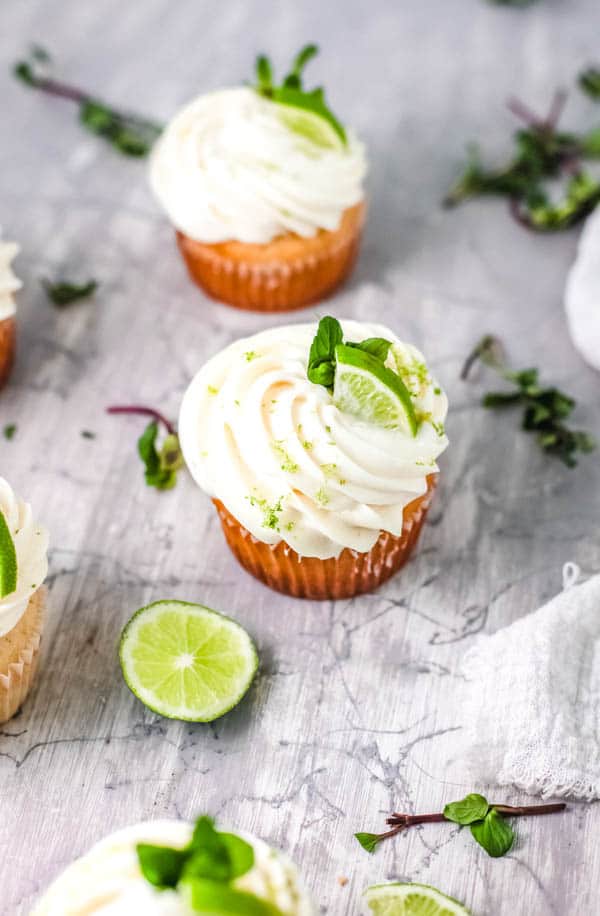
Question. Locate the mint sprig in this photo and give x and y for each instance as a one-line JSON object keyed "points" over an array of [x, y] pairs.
{"points": [[291, 91], [204, 870], [161, 463], [126, 132], [486, 820], [544, 408], [542, 152], [589, 82], [321, 357]]}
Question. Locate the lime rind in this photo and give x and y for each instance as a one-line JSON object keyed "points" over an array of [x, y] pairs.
{"points": [[8, 560], [185, 661], [367, 389], [408, 899]]}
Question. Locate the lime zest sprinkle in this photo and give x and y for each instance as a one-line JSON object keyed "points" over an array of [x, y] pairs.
{"points": [[270, 513], [212, 390], [322, 496], [287, 462], [249, 355]]}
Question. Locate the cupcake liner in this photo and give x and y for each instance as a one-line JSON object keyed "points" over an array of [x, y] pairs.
{"points": [[352, 573], [8, 336], [19, 656], [285, 274]]}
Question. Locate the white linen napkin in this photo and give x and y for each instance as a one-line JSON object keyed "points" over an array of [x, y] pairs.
{"points": [[532, 699]]}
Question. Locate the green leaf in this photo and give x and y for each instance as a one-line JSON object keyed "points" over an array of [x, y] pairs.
{"points": [[321, 358], [264, 73], [494, 834], [160, 865], [163, 478], [589, 82], [368, 841], [64, 293], [23, 71], [472, 808], [376, 346], [10, 430], [241, 854], [8, 560], [501, 398], [590, 144], [206, 896]]}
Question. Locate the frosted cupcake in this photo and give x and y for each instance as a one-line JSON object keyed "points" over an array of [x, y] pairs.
{"points": [[265, 188], [318, 446], [169, 868], [8, 286], [23, 568]]}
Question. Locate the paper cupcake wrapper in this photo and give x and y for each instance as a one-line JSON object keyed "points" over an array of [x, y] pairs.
{"points": [[352, 573], [285, 274], [19, 656], [8, 337]]}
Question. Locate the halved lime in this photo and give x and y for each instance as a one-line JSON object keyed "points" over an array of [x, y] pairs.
{"points": [[185, 661], [411, 900], [8, 560], [367, 389], [311, 126]]}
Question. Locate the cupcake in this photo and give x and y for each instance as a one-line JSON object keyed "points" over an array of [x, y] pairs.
{"points": [[8, 285], [171, 868], [23, 568], [265, 189], [318, 446]]}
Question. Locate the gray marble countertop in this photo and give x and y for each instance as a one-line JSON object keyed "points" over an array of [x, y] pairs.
{"points": [[352, 715]]}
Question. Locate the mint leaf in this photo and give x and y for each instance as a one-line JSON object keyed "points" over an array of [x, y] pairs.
{"points": [[472, 808], [376, 346], [160, 865], [160, 467], [589, 82], [368, 841], [64, 293], [241, 854], [321, 358], [9, 431], [291, 91], [494, 834], [206, 896]]}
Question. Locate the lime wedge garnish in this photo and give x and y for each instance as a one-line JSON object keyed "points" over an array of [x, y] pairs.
{"points": [[311, 126], [367, 389], [185, 661], [207, 896], [411, 900], [8, 560]]}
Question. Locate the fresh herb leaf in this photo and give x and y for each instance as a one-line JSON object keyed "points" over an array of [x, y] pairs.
{"points": [[376, 346], [544, 409], [589, 82], [161, 466], [472, 808], [87, 434], [291, 91], [160, 865], [321, 358], [64, 293], [128, 133], [368, 841], [9, 431], [542, 152], [494, 834]]}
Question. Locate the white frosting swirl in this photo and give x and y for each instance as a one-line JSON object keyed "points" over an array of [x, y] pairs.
{"points": [[31, 545], [228, 166], [259, 436], [107, 881], [582, 295], [8, 281]]}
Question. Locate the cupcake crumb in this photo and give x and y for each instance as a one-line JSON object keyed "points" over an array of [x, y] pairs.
{"points": [[342, 881]]}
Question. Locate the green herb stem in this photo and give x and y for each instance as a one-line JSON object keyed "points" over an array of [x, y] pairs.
{"points": [[402, 821]]}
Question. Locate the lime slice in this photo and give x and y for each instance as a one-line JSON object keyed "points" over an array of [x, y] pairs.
{"points": [[411, 900], [8, 560], [218, 899], [311, 126], [185, 661], [367, 389]]}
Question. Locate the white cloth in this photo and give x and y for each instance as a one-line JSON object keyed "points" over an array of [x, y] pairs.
{"points": [[532, 699], [582, 293]]}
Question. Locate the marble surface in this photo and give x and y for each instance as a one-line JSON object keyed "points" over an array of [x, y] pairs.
{"points": [[352, 715]]}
